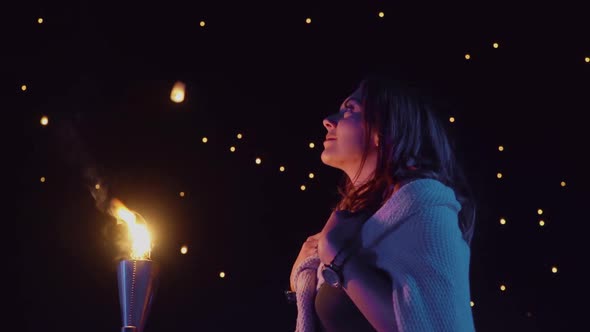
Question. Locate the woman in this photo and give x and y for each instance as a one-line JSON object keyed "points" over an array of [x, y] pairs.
{"points": [[394, 255]]}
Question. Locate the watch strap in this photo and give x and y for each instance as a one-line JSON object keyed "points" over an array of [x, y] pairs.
{"points": [[291, 296], [344, 254]]}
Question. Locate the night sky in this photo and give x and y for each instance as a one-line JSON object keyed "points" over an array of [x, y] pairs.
{"points": [[102, 72]]}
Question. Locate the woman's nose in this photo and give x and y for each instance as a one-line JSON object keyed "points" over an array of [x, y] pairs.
{"points": [[331, 121]]}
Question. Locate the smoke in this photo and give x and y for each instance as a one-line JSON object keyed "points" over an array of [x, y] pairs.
{"points": [[98, 189], [77, 157]]}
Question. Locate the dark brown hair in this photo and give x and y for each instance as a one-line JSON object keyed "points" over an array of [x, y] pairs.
{"points": [[413, 144]]}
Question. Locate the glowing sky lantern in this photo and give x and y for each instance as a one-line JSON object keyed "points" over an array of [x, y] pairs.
{"points": [[178, 92]]}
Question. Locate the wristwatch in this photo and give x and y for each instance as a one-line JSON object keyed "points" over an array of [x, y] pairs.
{"points": [[332, 275], [332, 272]]}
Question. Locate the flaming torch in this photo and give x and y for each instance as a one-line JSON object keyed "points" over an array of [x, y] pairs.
{"points": [[137, 275]]}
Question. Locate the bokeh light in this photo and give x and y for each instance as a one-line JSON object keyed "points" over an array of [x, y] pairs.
{"points": [[178, 92]]}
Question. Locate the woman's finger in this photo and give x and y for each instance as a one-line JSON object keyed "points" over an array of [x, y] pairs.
{"points": [[316, 236], [309, 245]]}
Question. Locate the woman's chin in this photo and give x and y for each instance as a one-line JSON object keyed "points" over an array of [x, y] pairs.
{"points": [[327, 158]]}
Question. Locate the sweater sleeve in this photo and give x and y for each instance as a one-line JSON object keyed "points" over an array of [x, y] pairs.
{"points": [[428, 261], [304, 278]]}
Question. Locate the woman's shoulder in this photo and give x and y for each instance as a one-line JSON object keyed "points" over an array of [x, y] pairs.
{"points": [[423, 191], [414, 196], [422, 183], [426, 204]]}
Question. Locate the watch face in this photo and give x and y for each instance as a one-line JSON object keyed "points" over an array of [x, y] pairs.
{"points": [[331, 276]]}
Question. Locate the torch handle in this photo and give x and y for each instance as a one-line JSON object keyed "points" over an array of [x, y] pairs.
{"points": [[137, 283]]}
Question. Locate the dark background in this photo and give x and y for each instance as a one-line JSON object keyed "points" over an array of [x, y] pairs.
{"points": [[102, 72]]}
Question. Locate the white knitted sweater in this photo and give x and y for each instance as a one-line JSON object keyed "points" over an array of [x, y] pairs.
{"points": [[415, 238]]}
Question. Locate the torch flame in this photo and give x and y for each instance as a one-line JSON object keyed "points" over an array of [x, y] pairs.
{"points": [[138, 233]]}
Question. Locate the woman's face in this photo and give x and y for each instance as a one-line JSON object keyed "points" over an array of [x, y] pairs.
{"points": [[344, 144]]}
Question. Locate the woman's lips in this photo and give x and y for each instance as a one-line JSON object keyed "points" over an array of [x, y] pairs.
{"points": [[329, 140]]}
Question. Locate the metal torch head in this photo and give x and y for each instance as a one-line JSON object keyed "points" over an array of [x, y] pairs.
{"points": [[137, 285]]}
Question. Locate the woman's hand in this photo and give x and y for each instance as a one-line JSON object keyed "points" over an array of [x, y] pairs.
{"points": [[341, 227], [309, 248]]}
